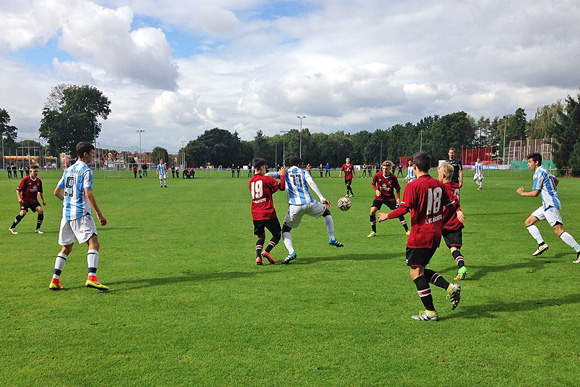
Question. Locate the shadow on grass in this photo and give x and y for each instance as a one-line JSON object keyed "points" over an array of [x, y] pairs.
{"points": [[476, 272], [488, 310], [350, 257]]}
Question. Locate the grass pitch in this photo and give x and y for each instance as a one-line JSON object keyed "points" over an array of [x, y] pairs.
{"points": [[188, 305]]}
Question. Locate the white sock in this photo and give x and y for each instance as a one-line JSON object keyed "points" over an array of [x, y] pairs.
{"points": [[329, 226], [535, 233], [92, 261], [287, 238], [59, 264], [570, 241]]}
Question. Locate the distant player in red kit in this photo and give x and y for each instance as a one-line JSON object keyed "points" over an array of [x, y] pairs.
{"points": [[28, 190], [452, 231], [263, 213], [426, 198], [348, 170], [385, 184]]}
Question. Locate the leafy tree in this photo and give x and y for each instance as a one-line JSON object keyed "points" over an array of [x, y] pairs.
{"points": [[196, 154], [518, 125], [566, 130], [261, 146], [70, 115], [7, 132], [543, 122], [159, 153], [450, 131]]}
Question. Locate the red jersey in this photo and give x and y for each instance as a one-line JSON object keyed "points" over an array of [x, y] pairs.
{"points": [[453, 223], [29, 189], [387, 185], [348, 170], [426, 197], [262, 187]]}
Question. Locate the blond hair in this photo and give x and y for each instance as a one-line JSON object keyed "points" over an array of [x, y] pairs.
{"points": [[446, 169]]}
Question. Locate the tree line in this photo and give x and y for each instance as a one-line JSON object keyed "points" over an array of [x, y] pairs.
{"points": [[71, 114]]}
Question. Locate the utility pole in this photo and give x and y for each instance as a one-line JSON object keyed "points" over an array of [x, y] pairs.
{"points": [[300, 118]]}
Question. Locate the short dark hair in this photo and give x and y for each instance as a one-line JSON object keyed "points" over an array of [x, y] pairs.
{"points": [[422, 161], [295, 160], [84, 147], [258, 163], [535, 156]]}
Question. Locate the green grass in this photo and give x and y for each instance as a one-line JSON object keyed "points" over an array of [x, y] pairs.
{"points": [[188, 306]]}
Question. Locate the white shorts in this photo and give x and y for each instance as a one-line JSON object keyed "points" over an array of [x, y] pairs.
{"points": [[162, 177], [295, 213], [478, 176], [552, 215], [82, 228]]}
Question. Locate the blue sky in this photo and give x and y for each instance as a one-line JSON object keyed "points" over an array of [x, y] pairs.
{"points": [[176, 69]]}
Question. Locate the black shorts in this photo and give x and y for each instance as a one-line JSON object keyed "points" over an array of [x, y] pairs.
{"points": [[419, 257], [273, 225], [29, 206], [392, 204], [453, 238], [347, 181]]}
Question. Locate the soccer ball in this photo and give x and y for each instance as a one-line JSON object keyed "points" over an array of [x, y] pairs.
{"points": [[344, 204]]}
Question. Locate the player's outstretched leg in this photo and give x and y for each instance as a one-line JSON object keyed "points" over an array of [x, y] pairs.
{"points": [[287, 238], [273, 242], [535, 233], [330, 228], [424, 292], [570, 241], [17, 220]]}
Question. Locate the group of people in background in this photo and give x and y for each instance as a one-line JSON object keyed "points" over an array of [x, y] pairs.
{"points": [[13, 171]]}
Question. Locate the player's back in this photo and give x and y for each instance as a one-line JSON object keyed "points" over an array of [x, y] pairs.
{"points": [[297, 186], [453, 223], [426, 197], [262, 187]]}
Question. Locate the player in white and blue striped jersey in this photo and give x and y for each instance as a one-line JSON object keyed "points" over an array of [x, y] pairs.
{"points": [[478, 175], [162, 173], [300, 201], [545, 185], [75, 189]]}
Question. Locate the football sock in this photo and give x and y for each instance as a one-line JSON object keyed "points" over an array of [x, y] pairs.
{"points": [[287, 238], [424, 292], [59, 264], [259, 245], [39, 221], [16, 220], [273, 242], [436, 279], [535, 233], [329, 226], [374, 223], [92, 261], [570, 241], [403, 223], [458, 258]]}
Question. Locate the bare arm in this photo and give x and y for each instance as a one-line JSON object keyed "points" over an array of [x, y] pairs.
{"points": [[532, 193], [91, 198], [314, 187], [42, 197], [19, 195], [460, 178], [58, 192]]}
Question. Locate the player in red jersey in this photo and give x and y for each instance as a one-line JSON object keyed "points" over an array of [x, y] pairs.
{"points": [[385, 184], [452, 230], [28, 190], [349, 174], [426, 198], [263, 213]]}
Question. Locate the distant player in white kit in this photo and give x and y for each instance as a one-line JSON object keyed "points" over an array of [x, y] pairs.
{"points": [[410, 173], [545, 185], [478, 176], [301, 202], [75, 189], [162, 173]]}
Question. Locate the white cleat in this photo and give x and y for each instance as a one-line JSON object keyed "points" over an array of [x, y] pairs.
{"points": [[540, 250], [13, 231]]}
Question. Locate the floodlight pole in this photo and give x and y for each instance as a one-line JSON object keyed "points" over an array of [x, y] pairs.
{"points": [[183, 150], [381, 160], [284, 147], [504, 132], [300, 118], [140, 131]]}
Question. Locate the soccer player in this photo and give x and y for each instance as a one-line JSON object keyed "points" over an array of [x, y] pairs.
{"points": [[28, 190], [426, 198], [349, 173], [301, 202], [457, 167], [385, 184], [263, 213], [410, 172], [478, 175], [364, 169], [452, 231], [162, 173], [545, 185], [75, 189]]}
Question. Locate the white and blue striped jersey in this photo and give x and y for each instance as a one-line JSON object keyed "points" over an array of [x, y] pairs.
{"points": [[161, 168], [73, 182], [410, 174], [297, 186], [479, 168], [545, 182]]}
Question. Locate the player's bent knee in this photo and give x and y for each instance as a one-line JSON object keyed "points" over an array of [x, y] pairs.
{"points": [[286, 228], [326, 212]]}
